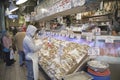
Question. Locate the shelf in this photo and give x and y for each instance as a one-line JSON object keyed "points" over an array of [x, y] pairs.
{"points": [[98, 15], [103, 37], [69, 11], [101, 21]]}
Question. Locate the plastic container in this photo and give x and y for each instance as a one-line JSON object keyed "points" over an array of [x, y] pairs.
{"points": [[99, 67], [99, 75]]}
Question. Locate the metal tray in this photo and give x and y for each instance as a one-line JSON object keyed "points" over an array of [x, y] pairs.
{"points": [[96, 68], [78, 76]]}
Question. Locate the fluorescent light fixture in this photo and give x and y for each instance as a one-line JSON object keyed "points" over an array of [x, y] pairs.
{"points": [[18, 2], [12, 7], [43, 10], [79, 16], [7, 12], [12, 16]]}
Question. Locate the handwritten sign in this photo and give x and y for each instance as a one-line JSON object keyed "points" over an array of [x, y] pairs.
{"points": [[89, 38], [94, 51], [109, 40]]}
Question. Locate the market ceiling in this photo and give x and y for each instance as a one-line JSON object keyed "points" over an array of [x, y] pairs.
{"points": [[27, 7]]}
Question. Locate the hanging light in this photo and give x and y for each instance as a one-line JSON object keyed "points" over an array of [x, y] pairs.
{"points": [[18, 2], [7, 12], [12, 7], [43, 10]]}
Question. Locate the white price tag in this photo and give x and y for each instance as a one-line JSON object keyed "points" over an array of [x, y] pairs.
{"points": [[56, 33], [59, 34], [78, 36], [94, 51], [63, 35], [53, 33], [109, 40], [78, 3], [89, 38], [67, 35], [72, 36]]}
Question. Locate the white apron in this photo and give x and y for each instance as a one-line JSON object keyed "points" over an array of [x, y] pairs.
{"points": [[34, 58]]}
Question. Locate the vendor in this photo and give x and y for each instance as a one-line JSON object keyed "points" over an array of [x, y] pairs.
{"points": [[116, 21], [57, 27], [30, 48], [116, 27]]}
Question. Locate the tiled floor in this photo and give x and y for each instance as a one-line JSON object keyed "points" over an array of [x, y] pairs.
{"points": [[14, 72], [115, 71]]}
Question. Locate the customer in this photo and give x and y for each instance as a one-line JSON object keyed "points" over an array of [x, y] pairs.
{"points": [[116, 27], [29, 49], [116, 21], [19, 45], [57, 27], [7, 44]]}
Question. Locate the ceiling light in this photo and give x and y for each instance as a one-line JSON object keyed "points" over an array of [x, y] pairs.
{"points": [[12, 7], [7, 12], [18, 2], [43, 10]]}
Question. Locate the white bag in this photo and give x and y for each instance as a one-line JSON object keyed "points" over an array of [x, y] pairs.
{"points": [[11, 54]]}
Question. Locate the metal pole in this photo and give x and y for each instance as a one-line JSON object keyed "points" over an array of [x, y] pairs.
{"points": [[2, 19]]}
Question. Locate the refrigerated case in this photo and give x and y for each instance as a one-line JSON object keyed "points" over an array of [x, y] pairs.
{"points": [[61, 55], [59, 58], [50, 52]]}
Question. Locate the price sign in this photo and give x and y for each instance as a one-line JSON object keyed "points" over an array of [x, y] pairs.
{"points": [[67, 35], [78, 36], [78, 3], [72, 36], [89, 38], [52, 33], [94, 51], [60, 34], [57, 34], [63, 35], [109, 40]]}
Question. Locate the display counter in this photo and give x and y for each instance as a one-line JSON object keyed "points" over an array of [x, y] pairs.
{"points": [[108, 45], [61, 55], [59, 58]]}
